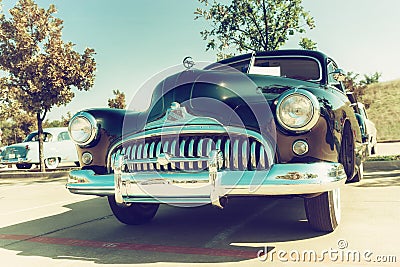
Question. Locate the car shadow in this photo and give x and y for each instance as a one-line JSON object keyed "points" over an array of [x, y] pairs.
{"points": [[201, 234], [380, 179]]}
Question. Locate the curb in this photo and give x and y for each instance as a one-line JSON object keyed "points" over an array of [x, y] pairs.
{"points": [[33, 175], [382, 165]]}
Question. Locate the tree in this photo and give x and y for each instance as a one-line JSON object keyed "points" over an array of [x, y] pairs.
{"points": [[353, 84], [40, 67], [118, 101], [306, 43], [252, 25]]}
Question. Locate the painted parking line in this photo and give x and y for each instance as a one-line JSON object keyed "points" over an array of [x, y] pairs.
{"points": [[243, 254]]}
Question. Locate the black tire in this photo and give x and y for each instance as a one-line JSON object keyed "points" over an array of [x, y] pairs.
{"points": [[133, 213], [373, 150], [347, 152], [323, 211], [23, 166], [359, 175]]}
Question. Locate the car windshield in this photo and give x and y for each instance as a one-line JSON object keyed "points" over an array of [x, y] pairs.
{"points": [[34, 137], [300, 68]]}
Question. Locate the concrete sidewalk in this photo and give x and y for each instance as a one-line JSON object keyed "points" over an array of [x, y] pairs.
{"points": [[388, 149]]}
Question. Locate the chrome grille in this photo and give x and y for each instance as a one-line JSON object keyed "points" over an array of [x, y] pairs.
{"points": [[240, 152]]}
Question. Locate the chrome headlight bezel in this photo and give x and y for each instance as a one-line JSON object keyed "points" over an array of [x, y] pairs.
{"points": [[309, 121], [89, 132]]}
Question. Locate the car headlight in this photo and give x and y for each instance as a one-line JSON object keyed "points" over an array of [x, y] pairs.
{"points": [[83, 128], [297, 110]]}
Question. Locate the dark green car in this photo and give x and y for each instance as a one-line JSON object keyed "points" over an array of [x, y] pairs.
{"points": [[260, 124]]}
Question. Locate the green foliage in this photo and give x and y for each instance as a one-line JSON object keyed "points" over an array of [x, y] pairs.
{"points": [[40, 68], [306, 43], [252, 25], [58, 123], [15, 130], [357, 86], [371, 79], [118, 101]]}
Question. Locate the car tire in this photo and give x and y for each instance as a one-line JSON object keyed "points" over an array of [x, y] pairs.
{"points": [[133, 213], [323, 211], [373, 150], [23, 166], [347, 152], [359, 175], [51, 163]]}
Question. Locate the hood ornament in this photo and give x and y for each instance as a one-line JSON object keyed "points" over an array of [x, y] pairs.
{"points": [[188, 62]]}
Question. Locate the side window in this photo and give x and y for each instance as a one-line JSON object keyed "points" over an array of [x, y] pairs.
{"points": [[331, 80], [331, 68], [63, 136]]}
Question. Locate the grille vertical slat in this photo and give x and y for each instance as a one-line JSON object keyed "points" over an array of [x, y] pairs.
{"points": [[133, 156], [158, 152], [173, 151], [235, 154], [253, 156], [227, 154], [244, 155], [200, 153], [191, 152]]}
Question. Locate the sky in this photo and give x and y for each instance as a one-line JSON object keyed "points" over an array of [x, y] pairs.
{"points": [[136, 39]]}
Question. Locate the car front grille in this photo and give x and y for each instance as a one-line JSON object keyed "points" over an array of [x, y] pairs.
{"points": [[240, 152]]}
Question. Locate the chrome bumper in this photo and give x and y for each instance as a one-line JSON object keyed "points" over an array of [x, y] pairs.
{"points": [[208, 186], [15, 161]]}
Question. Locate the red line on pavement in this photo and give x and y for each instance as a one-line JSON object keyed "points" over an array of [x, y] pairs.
{"points": [[129, 246]]}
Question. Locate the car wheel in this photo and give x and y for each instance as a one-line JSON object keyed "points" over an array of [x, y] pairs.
{"points": [[51, 163], [133, 213], [347, 152], [323, 211], [359, 175], [24, 166], [373, 150]]}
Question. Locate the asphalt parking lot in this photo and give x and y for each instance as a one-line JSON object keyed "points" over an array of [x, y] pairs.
{"points": [[42, 224]]}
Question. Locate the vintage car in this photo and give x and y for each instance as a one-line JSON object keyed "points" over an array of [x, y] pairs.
{"points": [[367, 128], [57, 147], [276, 123]]}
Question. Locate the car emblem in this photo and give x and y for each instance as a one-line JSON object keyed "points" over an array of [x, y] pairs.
{"points": [[163, 158], [176, 112], [188, 62]]}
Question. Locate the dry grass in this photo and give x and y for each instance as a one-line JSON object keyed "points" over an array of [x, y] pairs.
{"points": [[384, 108]]}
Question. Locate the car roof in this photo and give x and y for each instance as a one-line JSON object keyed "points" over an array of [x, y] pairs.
{"points": [[285, 52]]}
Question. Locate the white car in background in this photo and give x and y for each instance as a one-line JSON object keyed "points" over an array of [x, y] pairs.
{"points": [[57, 147], [370, 130]]}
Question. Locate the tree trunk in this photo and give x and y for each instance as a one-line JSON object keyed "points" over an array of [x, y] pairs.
{"points": [[41, 139]]}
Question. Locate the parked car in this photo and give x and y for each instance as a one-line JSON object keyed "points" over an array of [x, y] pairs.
{"points": [[261, 124], [368, 129], [57, 147]]}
